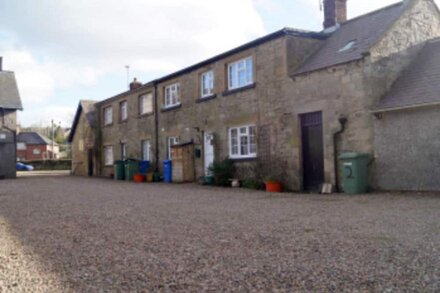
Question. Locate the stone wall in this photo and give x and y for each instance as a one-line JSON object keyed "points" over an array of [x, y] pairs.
{"points": [[83, 141], [407, 148], [8, 145], [352, 90], [9, 118], [132, 131], [260, 104]]}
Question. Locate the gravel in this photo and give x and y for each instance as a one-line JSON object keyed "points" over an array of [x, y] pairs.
{"points": [[70, 234]]}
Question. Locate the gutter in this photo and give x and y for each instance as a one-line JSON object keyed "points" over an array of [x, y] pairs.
{"points": [[378, 111], [156, 127], [336, 135]]}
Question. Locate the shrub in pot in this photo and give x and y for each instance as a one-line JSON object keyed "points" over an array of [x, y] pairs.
{"points": [[223, 171]]}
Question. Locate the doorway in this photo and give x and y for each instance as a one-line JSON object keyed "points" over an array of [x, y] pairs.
{"points": [[312, 150], [208, 148], [90, 166]]}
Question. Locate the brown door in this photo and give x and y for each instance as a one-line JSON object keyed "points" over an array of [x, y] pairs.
{"points": [[312, 150], [90, 166]]}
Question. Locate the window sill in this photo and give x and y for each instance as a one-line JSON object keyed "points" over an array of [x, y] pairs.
{"points": [[245, 159], [145, 115], [171, 108], [205, 99], [240, 89], [108, 125], [123, 121]]}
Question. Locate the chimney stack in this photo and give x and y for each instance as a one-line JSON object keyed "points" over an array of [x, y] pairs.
{"points": [[135, 84], [335, 12]]}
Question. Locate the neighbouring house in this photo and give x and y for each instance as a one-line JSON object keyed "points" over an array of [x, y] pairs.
{"points": [[82, 138], [10, 102], [128, 127], [32, 146], [289, 103]]}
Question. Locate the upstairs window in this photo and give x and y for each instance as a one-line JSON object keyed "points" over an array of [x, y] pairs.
{"points": [[243, 142], [207, 84], [108, 115], [146, 104], [240, 73], [108, 155], [123, 111], [171, 141], [172, 95]]}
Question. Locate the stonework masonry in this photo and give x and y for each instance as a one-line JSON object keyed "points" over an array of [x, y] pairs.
{"points": [[84, 145], [274, 103], [132, 131]]}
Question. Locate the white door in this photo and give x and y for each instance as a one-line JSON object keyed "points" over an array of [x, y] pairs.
{"points": [[209, 152]]}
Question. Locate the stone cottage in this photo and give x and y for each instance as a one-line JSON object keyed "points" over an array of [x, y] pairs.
{"points": [[10, 102], [83, 140], [127, 127], [286, 104]]}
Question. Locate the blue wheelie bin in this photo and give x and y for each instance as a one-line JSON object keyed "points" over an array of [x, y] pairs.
{"points": [[167, 171], [144, 166]]}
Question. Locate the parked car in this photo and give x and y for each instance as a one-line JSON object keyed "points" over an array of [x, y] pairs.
{"points": [[23, 167]]}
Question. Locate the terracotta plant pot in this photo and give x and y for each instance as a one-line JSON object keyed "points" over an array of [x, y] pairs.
{"points": [[139, 178], [273, 186]]}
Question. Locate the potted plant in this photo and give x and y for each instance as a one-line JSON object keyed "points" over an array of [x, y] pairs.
{"points": [[273, 184]]}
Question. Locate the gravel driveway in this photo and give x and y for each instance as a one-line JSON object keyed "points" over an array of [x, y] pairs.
{"points": [[66, 234]]}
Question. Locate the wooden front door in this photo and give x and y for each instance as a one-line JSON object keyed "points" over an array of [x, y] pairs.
{"points": [[312, 150]]}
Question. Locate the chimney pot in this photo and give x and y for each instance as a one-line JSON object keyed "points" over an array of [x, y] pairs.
{"points": [[335, 12], [1, 63], [135, 84]]}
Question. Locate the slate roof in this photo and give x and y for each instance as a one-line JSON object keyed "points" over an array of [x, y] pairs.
{"points": [[364, 30], [88, 108], [33, 138], [419, 84], [9, 96], [280, 33]]}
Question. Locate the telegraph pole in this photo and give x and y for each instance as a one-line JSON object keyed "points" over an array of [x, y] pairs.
{"points": [[127, 67], [53, 137]]}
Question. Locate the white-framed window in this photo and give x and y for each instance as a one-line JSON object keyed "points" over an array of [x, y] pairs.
{"points": [[123, 110], [207, 84], [170, 142], [21, 146], [240, 73], [124, 150], [172, 95], [36, 152], [108, 155], [146, 104], [243, 142], [146, 150], [108, 115]]}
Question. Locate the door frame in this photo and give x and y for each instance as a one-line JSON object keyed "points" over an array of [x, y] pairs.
{"points": [[205, 169]]}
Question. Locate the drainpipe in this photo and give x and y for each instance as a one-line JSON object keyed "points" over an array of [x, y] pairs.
{"points": [[156, 127], [336, 135]]}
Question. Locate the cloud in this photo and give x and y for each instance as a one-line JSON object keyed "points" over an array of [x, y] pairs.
{"points": [[42, 116], [57, 45]]}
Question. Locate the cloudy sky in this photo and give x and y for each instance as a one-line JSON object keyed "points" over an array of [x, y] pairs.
{"points": [[63, 51]]}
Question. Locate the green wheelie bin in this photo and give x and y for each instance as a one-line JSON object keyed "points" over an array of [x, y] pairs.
{"points": [[354, 172], [131, 168], [119, 170]]}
